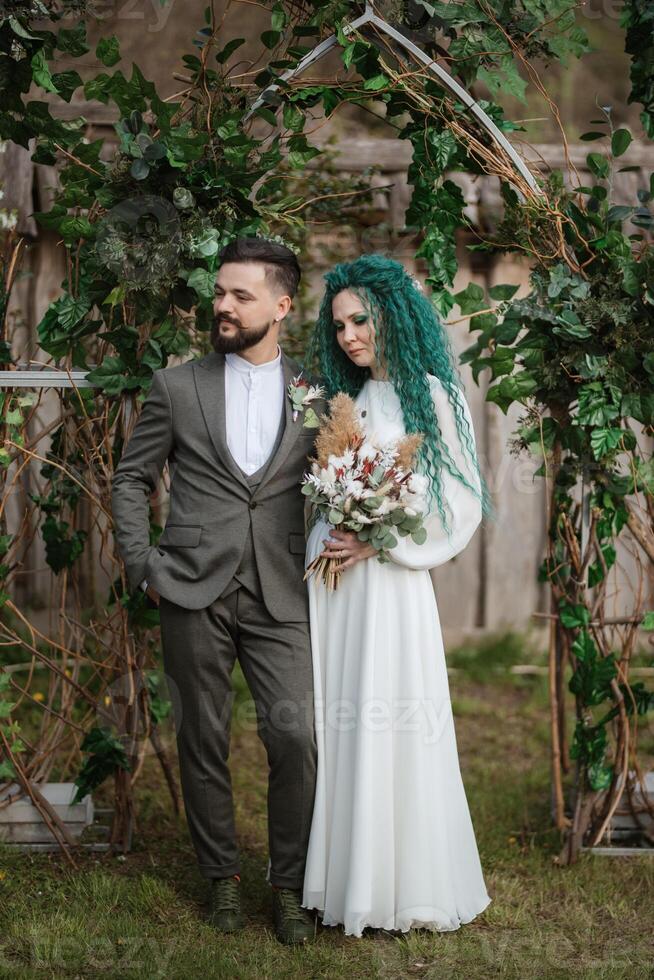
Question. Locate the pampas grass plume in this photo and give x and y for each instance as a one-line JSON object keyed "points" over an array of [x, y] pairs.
{"points": [[340, 430], [407, 450]]}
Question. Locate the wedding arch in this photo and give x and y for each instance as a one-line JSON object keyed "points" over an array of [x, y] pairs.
{"points": [[186, 177]]}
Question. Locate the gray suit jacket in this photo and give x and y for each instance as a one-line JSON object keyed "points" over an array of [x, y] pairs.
{"points": [[212, 506]]}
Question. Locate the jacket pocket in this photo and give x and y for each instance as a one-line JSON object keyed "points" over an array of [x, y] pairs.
{"points": [[297, 544], [181, 535]]}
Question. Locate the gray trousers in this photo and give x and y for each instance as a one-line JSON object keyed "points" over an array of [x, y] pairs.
{"points": [[200, 647]]}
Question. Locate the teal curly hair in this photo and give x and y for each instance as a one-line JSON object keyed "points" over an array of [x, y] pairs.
{"points": [[411, 343]]}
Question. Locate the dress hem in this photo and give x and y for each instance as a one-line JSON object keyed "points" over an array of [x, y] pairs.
{"points": [[418, 918]]}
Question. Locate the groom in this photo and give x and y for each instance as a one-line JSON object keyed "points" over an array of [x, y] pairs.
{"points": [[227, 572]]}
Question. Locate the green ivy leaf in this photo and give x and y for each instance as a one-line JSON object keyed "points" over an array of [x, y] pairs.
{"points": [[107, 51], [515, 388], [75, 227], [73, 41], [5, 708], [62, 549], [604, 441], [18, 29], [596, 570], [573, 616], [41, 72], [471, 299], [596, 405], [110, 376], [300, 152], [66, 312], [509, 80], [600, 776], [53, 218], [503, 291], [293, 117], [66, 83], [7, 770], [203, 282], [116, 296], [348, 54], [376, 83], [106, 754]]}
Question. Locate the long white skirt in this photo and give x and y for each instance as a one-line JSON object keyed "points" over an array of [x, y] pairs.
{"points": [[392, 844]]}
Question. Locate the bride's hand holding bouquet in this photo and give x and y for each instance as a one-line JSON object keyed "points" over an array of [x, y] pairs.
{"points": [[368, 489]]}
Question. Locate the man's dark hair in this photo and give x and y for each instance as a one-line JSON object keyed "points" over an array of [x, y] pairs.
{"points": [[282, 267]]}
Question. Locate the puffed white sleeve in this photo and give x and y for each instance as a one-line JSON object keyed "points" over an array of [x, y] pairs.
{"points": [[465, 506]]}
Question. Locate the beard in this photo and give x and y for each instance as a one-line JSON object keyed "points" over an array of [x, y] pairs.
{"points": [[241, 340]]}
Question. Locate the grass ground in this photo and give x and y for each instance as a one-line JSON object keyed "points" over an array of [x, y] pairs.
{"points": [[142, 915]]}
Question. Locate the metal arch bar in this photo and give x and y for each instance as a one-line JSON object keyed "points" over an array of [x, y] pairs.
{"points": [[370, 17], [465, 97], [48, 378]]}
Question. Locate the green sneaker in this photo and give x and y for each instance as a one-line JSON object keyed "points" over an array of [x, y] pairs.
{"points": [[225, 904], [293, 924]]}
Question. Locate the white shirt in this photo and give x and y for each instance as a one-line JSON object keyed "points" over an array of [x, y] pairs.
{"points": [[254, 402]]}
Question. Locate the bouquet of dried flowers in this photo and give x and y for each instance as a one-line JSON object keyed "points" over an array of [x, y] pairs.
{"points": [[361, 487]]}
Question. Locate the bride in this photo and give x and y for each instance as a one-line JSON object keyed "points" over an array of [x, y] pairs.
{"points": [[392, 844]]}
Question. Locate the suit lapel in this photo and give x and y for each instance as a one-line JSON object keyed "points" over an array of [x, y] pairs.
{"points": [[209, 374]]}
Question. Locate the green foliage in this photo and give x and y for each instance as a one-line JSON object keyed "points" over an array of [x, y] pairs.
{"points": [[10, 729], [637, 17], [106, 755], [160, 707], [576, 354], [589, 745], [143, 231], [24, 57]]}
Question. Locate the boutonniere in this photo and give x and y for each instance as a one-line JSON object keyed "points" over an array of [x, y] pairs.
{"points": [[302, 394]]}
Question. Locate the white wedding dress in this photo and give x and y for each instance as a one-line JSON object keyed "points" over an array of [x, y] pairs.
{"points": [[392, 843]]}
